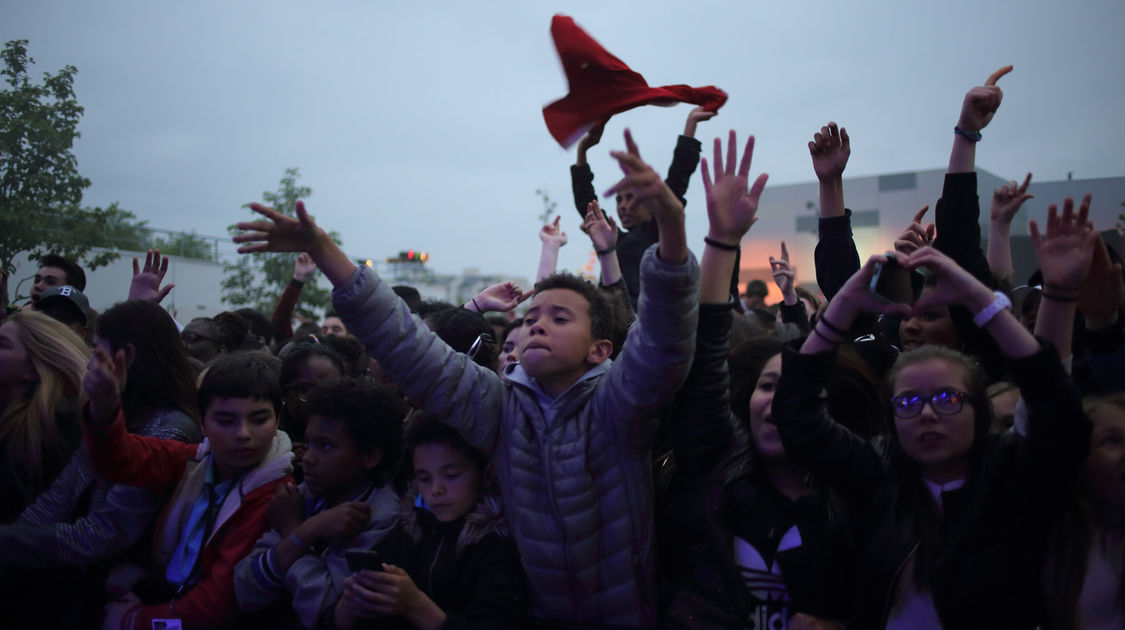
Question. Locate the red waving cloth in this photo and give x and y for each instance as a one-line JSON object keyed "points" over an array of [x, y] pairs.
{"points": [[601, 85]]}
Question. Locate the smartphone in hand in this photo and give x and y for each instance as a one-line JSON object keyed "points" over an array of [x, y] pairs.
{"points": [[891, 282], [359, 559]]}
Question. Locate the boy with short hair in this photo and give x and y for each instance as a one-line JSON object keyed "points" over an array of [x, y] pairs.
{"points": [[219, 490], [354, 435], [56, 271], [569, 436]]}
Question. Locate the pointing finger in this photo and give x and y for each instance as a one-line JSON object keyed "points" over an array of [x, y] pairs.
{"points": [[921, 213], [995, 76], [784, 252]]}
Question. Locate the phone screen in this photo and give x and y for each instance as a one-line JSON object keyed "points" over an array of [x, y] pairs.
{"points": [[891, 282], [359, 559]]}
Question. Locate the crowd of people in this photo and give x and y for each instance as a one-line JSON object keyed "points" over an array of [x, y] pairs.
{"points": [[901, 448]]}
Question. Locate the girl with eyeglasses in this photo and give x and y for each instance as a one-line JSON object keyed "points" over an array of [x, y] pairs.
{"points": [[954, 522]]}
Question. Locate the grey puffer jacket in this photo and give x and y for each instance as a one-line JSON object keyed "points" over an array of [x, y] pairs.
{"points": [[575, 471]]}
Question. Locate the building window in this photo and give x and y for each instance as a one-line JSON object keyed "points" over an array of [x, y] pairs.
{"points": [[898, 181]]}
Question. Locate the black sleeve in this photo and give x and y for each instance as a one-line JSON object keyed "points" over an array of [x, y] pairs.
{"points": [[684, 161], [582, 183], [835, 255], [796, 314], [1058, 430], [958, 226], [498, 598], [812, 438], [699, 429]]}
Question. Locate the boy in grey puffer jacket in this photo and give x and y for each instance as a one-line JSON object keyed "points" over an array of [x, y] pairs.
{"points": [[569, 436]]}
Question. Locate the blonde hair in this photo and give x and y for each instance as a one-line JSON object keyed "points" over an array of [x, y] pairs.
{"points": [[27, 427]]}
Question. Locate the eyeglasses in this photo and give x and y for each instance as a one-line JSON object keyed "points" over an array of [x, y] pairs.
{"points": [[475, 348], [945, 403]]}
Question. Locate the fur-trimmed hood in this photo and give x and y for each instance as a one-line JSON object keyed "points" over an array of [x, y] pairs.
{"points": [[486, 517]]}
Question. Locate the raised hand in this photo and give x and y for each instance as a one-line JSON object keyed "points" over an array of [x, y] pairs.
{"points": [[285, 510], [104, 381], [303, 267], [592, 138], [601, 229], [695, 117], [1100, 295], [954, 284], [552, 235], [981, 103], [916, 235], [280, 233], [783, 275], [731, 203], [500, 297], [1007, 199], [830, 150], [146, 282], [646, 185], [1067, 250]]}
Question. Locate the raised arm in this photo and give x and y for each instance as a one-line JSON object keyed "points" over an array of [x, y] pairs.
{"points": [[835, 255], [731, 208], [700, 428], [1099, 301], [792, 308], [1006, 202], [430, 373], [282, 320], [977, 110], [1065, 253], [686, 155], [647, 187], [958, 211], [581, 177], [553, 239], [658, 351], [603, 232]]}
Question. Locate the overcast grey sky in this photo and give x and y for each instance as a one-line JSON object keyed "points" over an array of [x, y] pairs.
{"points": [[419, 125]]}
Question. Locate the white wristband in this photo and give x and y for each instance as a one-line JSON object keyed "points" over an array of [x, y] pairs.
{"points": [[1000, 303]]}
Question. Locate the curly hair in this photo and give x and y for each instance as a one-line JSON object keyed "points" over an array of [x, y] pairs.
{"points": [[372, 416]]}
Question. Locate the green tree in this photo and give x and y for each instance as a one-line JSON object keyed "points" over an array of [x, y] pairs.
{"points": [[257, 280], [40, 187], [549, 206], [186, 245]]}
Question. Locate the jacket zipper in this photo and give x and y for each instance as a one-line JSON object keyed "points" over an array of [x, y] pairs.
{"points": [[549, 467], [894, 581], [437, 554]]}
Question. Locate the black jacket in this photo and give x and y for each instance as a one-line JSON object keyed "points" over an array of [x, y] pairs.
{"points": [[990, 544], [717, 493], [469, 567]]}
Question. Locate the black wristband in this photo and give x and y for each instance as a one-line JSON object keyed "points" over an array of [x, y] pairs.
{"points": [[1058, 298], [608, 250], [972, 136], [834, 328], [723, 246], [296, 283], [826, 339]]}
